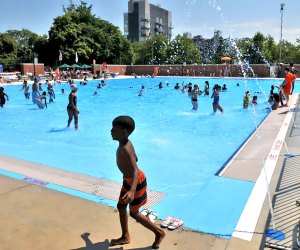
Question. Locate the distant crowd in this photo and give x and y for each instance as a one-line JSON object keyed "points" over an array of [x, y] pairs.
{"points": [[39, 97]]}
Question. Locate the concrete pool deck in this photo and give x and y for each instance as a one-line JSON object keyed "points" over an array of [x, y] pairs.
{"points": [[34, 217]]}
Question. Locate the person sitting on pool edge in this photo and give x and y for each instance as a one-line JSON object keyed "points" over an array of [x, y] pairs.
{"points": [[134, 189], [274, 101]]}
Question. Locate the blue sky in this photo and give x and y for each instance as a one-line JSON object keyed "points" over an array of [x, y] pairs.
{"points": [[235, 18]]}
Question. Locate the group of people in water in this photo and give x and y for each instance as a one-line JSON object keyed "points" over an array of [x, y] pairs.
{"points": [[40, 99], [284, 90]]}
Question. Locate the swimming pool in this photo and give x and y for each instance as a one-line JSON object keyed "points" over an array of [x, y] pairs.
{"points": [[180, 150]]}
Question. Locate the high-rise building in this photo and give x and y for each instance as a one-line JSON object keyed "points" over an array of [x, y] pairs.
{"points": [[144, 20], [188, 35], [209, 46]]}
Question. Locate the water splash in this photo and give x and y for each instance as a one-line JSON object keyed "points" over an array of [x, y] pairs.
{"points": [[242, 63]]}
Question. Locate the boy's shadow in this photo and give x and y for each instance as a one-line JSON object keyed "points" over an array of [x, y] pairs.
{"points": [[94, 246], [105, 245]]}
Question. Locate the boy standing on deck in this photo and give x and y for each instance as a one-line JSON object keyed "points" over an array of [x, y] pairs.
{"points": [[134, 187]]}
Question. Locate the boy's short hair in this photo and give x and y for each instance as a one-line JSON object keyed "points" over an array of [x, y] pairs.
{"points": [[287, 69], [126, 122]]}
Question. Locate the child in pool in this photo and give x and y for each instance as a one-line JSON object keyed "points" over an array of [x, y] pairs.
{"points": [[39, 101], [246, 100], [3, 97], [216, 96], [254, 99], [140, 92]]}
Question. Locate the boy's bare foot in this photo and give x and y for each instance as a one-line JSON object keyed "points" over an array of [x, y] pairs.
{"points": [[120, 241], [158, 239]]}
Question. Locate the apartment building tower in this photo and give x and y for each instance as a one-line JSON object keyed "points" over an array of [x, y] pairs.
{"points": [[144, 20]]}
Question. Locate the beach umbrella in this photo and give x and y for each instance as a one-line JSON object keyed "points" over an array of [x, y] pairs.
{"points": [[85, 66], [64, 66], [225, 58], [75, 66]]}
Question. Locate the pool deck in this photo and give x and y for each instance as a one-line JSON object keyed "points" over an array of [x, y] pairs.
{"points": [[34, 217]]}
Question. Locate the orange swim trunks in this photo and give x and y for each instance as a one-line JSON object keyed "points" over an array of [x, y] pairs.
{"points": [[140, 196], [287, 91]]}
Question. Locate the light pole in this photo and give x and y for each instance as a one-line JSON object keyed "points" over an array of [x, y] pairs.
{"points": [[33, 60], [152, 53], [281, 10]]}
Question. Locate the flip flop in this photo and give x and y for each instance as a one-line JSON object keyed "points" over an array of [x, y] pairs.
{"points": [[145, 212], [167, 221], [175, 224], [152, 216]]}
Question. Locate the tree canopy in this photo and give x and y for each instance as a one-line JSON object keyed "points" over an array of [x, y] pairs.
{"points": [[8, 50], [183, 50], [78, 30]]}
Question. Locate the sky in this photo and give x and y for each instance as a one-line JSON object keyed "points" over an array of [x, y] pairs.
{"points": [[234, 18]]}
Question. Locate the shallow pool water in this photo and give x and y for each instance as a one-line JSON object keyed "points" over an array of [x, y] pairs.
{"points": [[180, 150]]}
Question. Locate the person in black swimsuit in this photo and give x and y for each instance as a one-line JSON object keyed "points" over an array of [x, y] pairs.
{"points": [[2, 97], [71, 108]]}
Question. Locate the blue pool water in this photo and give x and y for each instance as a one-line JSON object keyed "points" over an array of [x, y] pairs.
{"points": [[180, 150]]}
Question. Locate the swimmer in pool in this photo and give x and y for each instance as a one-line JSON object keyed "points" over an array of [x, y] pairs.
{"points": [[246, 100], [72, 106], [140, 93], [39, 100], [3, 97], [194, 96], [26, 90], [35, 90], [216, 96]]}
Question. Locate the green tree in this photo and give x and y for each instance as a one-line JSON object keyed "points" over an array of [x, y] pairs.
{"points": [[256, 50], [155, 50], [270, 50], [78, 30], [183, 50], [290, 52], [25, 40], [8, 51], [152, 51], [220, 51], [137, 49]]}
